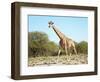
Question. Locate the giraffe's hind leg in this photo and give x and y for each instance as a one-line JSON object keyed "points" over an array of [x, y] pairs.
{"points": [[66, 50], [75, 51], [69, 51]]}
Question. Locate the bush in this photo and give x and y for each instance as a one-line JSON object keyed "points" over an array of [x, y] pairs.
{"points": [[40, 45], [82, 47]]}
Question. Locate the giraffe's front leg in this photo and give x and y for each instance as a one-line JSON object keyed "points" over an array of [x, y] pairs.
{"points": [[59, 51]]}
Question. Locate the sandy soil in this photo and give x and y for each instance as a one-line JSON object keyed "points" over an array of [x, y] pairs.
{"points": [[62, 60]]}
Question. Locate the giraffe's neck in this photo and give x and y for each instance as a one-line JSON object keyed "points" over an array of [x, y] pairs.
{"points": [[59, 34]]}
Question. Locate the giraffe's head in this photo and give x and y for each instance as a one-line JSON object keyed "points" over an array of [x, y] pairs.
{"points": [[50, 24]]}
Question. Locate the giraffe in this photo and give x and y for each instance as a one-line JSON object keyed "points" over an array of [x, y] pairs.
{"points": [[65, 42]]}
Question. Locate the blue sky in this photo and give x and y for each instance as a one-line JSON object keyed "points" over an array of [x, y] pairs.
{"points": [[75, 28]]}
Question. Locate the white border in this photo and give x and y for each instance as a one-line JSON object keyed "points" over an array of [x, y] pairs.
{"points": [[25, 70]]}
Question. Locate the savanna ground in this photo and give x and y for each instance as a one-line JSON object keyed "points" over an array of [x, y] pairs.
{"points": [[63, 60]]}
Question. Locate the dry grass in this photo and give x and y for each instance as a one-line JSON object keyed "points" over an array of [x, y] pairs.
{"points": [[63, 60]]}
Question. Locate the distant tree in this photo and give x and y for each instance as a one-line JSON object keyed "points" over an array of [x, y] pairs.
{"points": [[82, 47]]}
